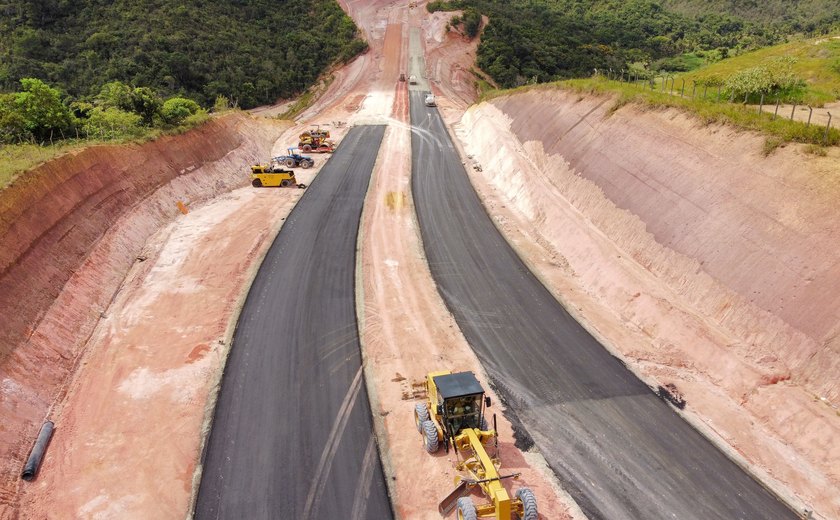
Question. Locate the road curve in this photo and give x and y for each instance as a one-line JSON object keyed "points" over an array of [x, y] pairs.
{"points": [[620, 451], [292, 433]]}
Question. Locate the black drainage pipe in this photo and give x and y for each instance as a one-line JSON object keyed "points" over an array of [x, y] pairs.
{"points": [[37, 454]]}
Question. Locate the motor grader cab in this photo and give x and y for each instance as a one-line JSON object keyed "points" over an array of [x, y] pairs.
{"points": [[267, 175], [453, 415]]}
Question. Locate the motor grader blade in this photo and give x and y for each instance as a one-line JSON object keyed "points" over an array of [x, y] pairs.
{"points": [[448, 504]]}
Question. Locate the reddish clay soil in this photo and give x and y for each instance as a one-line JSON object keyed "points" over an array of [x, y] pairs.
{"points": [[690, 255], [695, 258], [145, 310], [71, 231], [407, 331]]}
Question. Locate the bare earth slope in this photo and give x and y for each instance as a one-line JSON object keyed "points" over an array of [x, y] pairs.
{"points": [[71, 230], [702, 262]]}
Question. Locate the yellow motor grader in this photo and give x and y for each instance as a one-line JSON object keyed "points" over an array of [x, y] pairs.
{"points": [[453, 415]]}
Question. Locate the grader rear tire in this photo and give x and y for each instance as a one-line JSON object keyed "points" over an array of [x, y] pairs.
{"points": [[466, 509], [421, 415], [430, 437], [529, 504]]}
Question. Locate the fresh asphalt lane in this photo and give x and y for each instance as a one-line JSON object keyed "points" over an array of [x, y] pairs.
{"points": [[620, 451], [292, 433]]}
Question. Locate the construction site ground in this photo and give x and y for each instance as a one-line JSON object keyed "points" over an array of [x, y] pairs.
{"points": [[131, 419]]}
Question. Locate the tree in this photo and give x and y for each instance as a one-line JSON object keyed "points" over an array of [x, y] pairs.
{"points": [[472, 22], [145, 103], [176, 109], [12, 123], [116, 95], [42, 110], [111, 123]]}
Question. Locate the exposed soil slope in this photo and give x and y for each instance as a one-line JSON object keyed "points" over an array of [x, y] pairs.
{"points": [[702, 262], [71, 230]]}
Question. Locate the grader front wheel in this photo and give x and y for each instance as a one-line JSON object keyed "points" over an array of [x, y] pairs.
{"points": [[466, 509], [430, 437], [421, 415], [529, 504]]}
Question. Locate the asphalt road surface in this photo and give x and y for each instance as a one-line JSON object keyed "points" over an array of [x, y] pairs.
{"points": [[620, 451], [292, 435]]}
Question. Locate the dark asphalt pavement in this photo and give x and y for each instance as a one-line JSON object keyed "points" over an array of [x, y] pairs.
{"points": [[292, 435], [620, 451]]}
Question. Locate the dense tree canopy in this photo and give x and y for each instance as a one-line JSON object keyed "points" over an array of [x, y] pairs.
{"points": [[545, 40], [251, 51]]}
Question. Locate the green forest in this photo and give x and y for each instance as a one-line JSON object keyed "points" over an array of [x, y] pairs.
{"points": [[535, 41], [251, 51]]}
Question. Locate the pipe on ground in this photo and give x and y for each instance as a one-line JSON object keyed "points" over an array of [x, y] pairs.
{"points": [[37, 453]]}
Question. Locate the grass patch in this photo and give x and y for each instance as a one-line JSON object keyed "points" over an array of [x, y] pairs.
{"points": [[307, 99], [815, 149], [817, 61], [770, 144], [708, 111], [18, 158]]}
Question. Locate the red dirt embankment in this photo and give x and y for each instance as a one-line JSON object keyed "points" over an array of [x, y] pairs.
{"points": [[700, 261], [71, 229]]}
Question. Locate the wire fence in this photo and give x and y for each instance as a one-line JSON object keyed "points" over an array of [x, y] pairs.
{"points": [[777, 106]]}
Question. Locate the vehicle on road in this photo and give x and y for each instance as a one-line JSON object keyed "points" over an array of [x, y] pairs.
{"points": [[412, 80], [268, 175], [453, 414], [293, 160], [402, 76], [430, 100]]}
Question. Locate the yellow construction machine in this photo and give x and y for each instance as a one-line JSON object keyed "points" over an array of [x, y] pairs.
{"points": [[273, 175], [316, 140], [453, 415]]}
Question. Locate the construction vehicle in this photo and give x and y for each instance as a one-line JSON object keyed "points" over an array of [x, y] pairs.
{"points": [[293, 160], [271, 175], [316, 140], [453, 415]]}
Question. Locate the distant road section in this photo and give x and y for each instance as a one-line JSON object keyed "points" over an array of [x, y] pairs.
{"points": [[620, 451], [292, 435]]}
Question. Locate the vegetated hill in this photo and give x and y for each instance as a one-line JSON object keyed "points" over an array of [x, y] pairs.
{"points": [[251, 51], [545, 40], [795, 15], [815, 63]]}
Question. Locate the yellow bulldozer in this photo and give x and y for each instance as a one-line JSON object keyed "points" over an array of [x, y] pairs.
{"points": [[453, 415], [266, 175]]}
